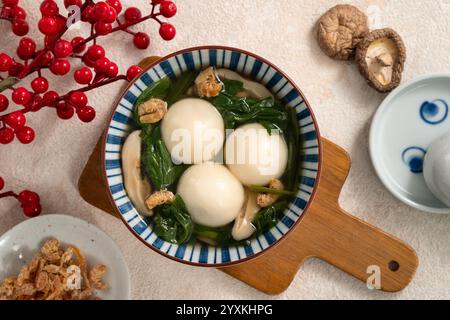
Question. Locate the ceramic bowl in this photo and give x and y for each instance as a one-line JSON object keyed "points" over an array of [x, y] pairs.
{"points": [[251, 66], [21, 243], [408, 121]]}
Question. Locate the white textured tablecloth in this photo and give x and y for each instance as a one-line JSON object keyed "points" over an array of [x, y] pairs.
{"points": [[281, 31]]}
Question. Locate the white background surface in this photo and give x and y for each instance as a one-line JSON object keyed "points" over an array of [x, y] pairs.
{"points": [[281, 31]]}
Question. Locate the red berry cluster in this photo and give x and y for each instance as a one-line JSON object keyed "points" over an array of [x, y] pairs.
{"points": [[12, 12], [29, 201], [105, 17]]}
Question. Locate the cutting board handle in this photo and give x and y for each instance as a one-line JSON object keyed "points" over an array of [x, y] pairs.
{"points": [[360, 249]]}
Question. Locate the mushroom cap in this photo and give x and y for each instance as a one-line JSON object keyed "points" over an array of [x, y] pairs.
{"points": [[391, 54], [340, 30]]}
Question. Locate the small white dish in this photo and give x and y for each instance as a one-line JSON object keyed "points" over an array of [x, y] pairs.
{"points": [[405, 125], [22, 242]]}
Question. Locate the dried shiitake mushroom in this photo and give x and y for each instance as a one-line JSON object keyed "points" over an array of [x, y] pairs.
{"points": [[340, 30], [381, 57]]}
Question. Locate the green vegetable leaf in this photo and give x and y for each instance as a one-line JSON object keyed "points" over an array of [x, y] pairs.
{"points": [[173, 223], [181, 85], [156, 161], [232, 87], [268, 217], [219, 236], [158, 89], [237, 110], [292, 172]]}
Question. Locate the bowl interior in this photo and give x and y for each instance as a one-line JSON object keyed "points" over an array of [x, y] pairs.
{"points": [[252, 67]]}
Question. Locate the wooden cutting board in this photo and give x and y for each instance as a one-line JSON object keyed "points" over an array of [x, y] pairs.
{"points": [[325, 231]]}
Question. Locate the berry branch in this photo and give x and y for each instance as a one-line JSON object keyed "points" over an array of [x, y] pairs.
{"points": [[105, 18], [29, 201]]}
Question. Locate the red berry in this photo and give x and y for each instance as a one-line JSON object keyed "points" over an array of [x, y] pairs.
{"points": [[167, 31], [32, 209], [78, 99], [27, 196], [4, 103], [86, 114], [101, 10], [111, 16], [77, 48], [6, 12], [25, 135], [15, 120], [15, 69], [133, 72], [62, 49], [10, 3], [39, 85], [102, 65], [168, 9], [60, 67], [6, 135], [5, 62], [26, 48], [95, 52], [21, 96], [50, 98], [83, 75], [18, 13], [132, 14], [64, 111], [103, 28], [115, 4], [155, 2], [49, 8], [36, 104], [2, 183], [46, 59], [60, 23], [88, 61], [48, 25], [141, 40], [68, 3], [88, 14], [20, 27], [112, 71]]}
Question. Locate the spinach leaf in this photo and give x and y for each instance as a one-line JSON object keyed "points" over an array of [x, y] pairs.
{"points": [[232, 87], [293, 136], [268, 217], [219, 236], [172, 222], [158, 89], [237, 110], [181, 85], [156, 160]]}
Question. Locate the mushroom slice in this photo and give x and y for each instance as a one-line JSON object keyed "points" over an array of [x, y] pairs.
{"points": [[243, 227], [152, 111], [137, 187], [208, 84], [251, 88], [381, 57], [340, 30]]}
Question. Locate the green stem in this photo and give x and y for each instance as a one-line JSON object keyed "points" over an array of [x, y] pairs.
{"points": [[271, 191], [8, 83]]}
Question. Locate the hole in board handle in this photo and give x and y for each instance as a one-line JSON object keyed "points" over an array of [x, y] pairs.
{"points": [[393, 266]]}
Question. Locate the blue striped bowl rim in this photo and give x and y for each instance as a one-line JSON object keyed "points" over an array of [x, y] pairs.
{"points": [[254, 67]]}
